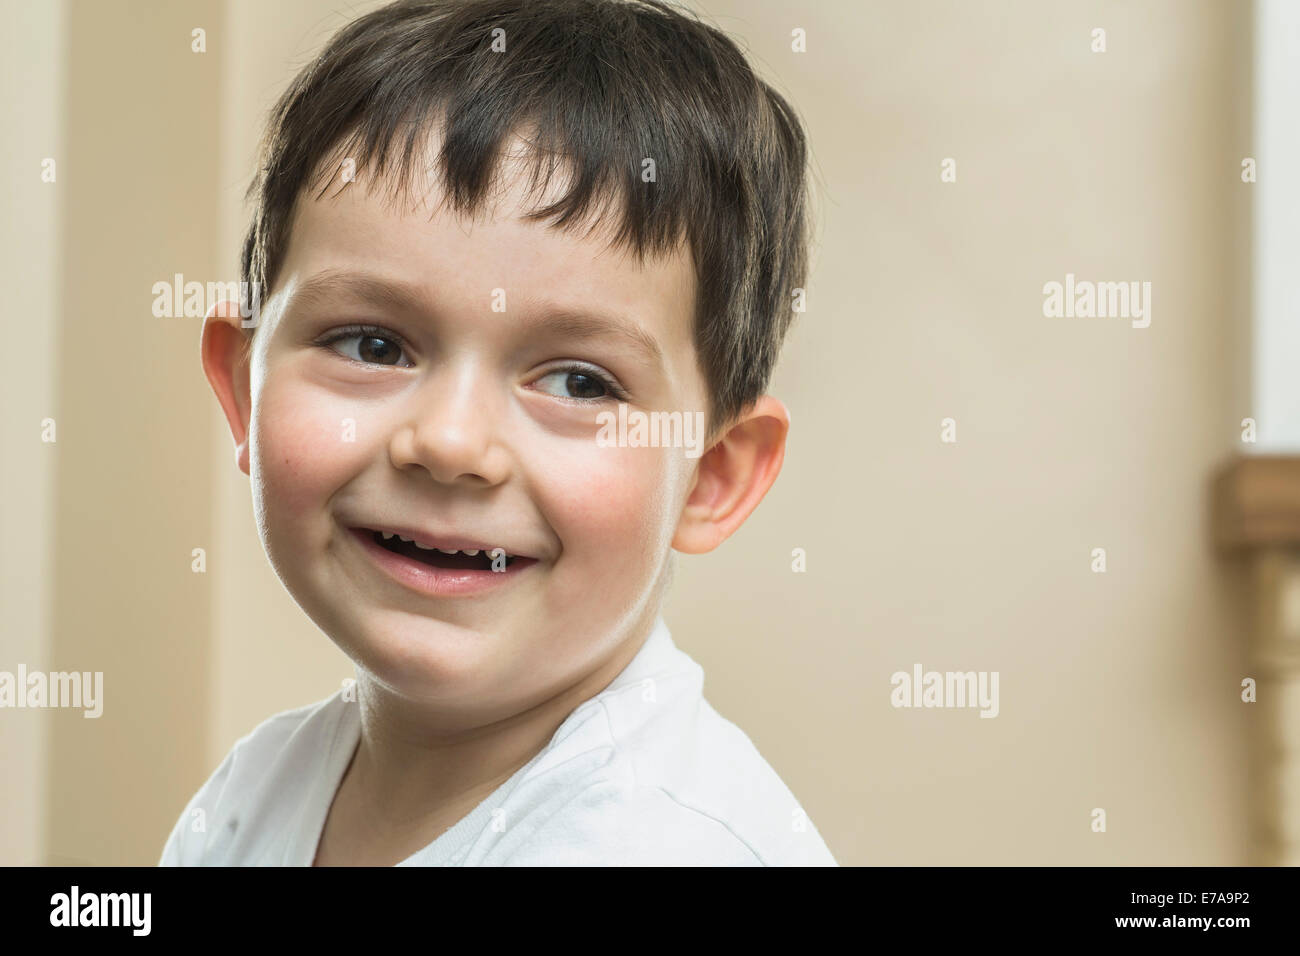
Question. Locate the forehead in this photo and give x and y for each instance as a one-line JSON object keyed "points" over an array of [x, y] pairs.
{"points": [[415, 237]]}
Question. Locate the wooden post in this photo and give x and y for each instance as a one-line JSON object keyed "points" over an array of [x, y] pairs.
{"points": [[1257, 516]]}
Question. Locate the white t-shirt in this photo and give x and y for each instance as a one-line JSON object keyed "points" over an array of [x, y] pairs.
{"points": [[645, 773]]}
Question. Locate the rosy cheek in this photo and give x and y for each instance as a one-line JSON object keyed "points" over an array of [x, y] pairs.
{"points": [[610, 503], [303, 456]]}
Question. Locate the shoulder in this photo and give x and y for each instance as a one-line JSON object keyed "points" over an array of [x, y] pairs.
{"points": [[614, 823], [278, 745], [679, 786]]}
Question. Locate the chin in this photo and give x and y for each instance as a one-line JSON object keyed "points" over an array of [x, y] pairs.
{"points": [[434, 660]]}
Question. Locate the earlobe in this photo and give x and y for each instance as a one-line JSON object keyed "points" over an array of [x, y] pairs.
{"points": [[733, 477], [224, 352]]}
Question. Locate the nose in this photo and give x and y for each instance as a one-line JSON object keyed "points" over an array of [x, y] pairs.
{"points": [[451, 430]]}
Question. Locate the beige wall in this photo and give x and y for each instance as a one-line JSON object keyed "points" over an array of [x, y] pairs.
{"points": [[1118, 690], [32, 50], [133, 488]]}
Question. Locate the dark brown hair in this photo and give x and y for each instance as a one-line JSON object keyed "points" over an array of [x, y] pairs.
{"points": [[601, 85]]}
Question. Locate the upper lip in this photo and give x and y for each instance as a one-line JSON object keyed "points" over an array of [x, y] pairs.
{"points": [[447, 540]]}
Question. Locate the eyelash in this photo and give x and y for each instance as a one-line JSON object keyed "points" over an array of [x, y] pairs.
{"points": [[367, 331], [614, 390], [590, 371]]}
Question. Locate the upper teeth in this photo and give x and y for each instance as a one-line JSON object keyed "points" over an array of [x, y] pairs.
{"points": [[429, 547]]}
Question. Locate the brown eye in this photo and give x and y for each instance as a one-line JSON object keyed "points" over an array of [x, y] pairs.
{"points": [[583, 386], [377, 350], [576, 383], [368, 347]]}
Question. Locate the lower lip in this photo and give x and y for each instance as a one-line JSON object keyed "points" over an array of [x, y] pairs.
{"points": [[437, 582]]}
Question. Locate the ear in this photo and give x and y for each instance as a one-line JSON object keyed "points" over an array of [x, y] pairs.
{"points": [[224, 351], [733, 476]]}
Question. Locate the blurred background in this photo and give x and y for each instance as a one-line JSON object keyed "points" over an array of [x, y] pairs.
{"points": [[964, 155]]}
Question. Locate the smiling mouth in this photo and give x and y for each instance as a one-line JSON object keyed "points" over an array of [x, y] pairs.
{"points": [[440, 558]]}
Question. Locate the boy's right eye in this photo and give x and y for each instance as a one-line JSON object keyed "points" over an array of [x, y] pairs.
{"points": [[367, 345]]}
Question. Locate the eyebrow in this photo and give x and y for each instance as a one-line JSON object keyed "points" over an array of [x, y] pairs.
{"points": [[560, 321], [582, 325], [331, 284]]}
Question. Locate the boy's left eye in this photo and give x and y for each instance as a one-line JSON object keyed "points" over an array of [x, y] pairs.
{"points": [[577, 383], [372, 348]]}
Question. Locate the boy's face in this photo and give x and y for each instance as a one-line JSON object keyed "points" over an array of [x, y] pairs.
{"points": [[463, 421]]}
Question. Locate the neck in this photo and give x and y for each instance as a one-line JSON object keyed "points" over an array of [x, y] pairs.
{"points": [[418, 768]]}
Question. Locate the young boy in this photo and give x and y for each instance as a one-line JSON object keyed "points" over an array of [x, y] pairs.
{"points": [[488, 230]]}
